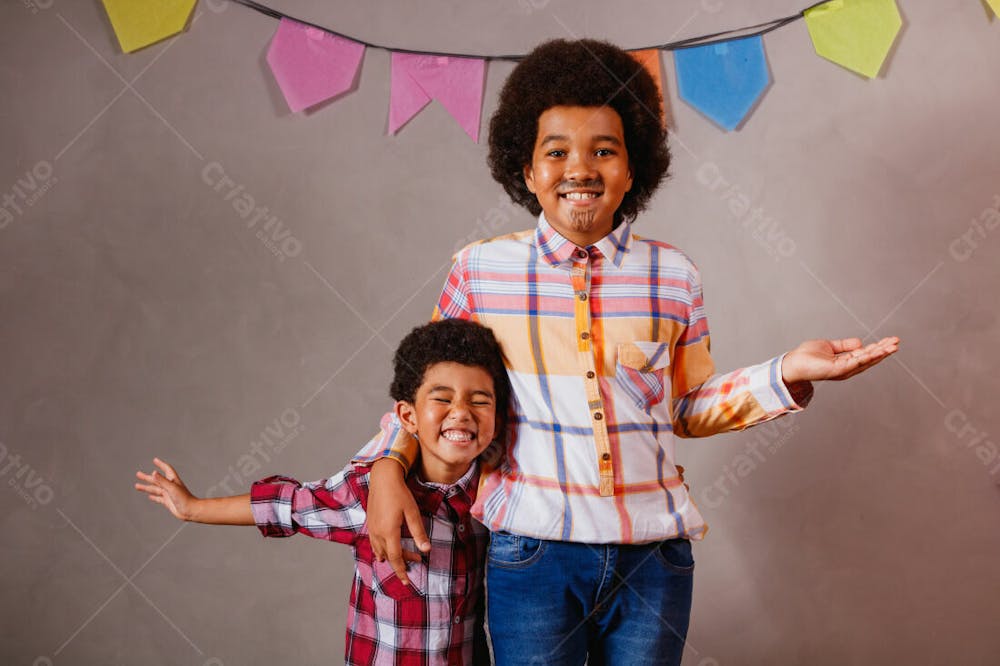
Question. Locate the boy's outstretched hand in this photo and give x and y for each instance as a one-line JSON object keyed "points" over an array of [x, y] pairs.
{"points": [[815, 360], [167, 489]]}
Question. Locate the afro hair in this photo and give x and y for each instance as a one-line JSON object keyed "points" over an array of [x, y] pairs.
{"points": [[582, 72], [444, 341]]}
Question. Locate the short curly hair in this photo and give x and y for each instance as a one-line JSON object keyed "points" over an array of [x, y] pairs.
{"points": [[583, 72], [449, 340]]}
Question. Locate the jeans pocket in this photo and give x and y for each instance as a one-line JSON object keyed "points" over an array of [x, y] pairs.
{"points": [[514, 550], [640, 372], [675, 555]]}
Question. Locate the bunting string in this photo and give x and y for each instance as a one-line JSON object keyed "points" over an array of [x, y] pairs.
{"points": [[702, 40], [274, 13]]}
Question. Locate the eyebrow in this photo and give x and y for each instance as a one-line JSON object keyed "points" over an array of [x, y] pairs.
{"points": [[442, 387], [597, 139]]}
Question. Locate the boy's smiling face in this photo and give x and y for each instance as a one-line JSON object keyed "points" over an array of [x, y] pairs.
{"points": [[453, 417], [579, 170]]}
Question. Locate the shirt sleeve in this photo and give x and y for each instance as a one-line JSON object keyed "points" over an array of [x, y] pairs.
{"points": [[331, 510], [392, 441], [456, 297], [705, 403]]}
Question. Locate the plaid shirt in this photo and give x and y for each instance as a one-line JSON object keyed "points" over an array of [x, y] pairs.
{"points": [[438, 619], [607, 349]]}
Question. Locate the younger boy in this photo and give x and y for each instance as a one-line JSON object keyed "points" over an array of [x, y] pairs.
{"points": [[449, 386]]}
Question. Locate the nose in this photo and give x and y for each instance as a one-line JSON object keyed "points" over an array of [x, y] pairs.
{"points": [[579, 166], [460, 410]]}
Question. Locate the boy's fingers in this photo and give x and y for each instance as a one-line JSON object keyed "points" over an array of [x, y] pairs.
{"points": [[168, 471], [411, 556], [162, 481], [864, 366], [150, 478], [398, 564], [872, 362], [416, 526], [378, 548], [865, 354], [879, 352], [846, 344]]}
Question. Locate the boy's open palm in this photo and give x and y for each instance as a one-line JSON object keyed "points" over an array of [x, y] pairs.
{"points": [[166, 488], [816, 360]]}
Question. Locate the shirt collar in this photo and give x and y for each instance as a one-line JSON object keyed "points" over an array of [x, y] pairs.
{"points": [[556, 249], [429, 495]]}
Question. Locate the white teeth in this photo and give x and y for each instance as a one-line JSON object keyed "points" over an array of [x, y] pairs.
{"points": [[581, 195], [458, 435]]}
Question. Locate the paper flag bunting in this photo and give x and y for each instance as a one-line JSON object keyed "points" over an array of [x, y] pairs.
{"points": [[312, 65], [723, 80], [457, 83], [994, 5], [139, 24], [650, 59], [856, 34]]}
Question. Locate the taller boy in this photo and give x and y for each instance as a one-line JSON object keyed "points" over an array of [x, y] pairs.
{"points": [[607, 349]]}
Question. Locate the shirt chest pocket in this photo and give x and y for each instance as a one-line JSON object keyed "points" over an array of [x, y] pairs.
{"points": [[385, 581], [642, 372]]}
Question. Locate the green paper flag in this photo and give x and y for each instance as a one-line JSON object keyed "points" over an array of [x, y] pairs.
{"points": [[856, 34], [138, 24]]}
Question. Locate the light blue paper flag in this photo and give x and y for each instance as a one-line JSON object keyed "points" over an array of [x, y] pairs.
{"points": [[723, 80]]}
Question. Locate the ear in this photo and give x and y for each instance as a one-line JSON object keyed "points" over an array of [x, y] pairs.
{"points": [[628, 187], [407, 414], [529, 178]]}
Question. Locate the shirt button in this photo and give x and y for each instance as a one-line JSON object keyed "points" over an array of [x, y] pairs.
{"points": [[585, 336], [458, 618], [605, 456], [581, 254], [461, 528], [583, 295], [598, 416], [590, 374]]}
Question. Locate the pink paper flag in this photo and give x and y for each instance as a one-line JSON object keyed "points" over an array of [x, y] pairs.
{"points": [[312, 65], [457, 83]]}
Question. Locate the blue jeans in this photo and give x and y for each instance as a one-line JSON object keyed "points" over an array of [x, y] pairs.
{"points": [[556, 602]]}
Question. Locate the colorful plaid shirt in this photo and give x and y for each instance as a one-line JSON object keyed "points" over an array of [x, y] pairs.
{"points": [[607, 349], [438, 619]]}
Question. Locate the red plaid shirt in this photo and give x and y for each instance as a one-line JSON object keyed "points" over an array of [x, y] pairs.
{"points": [[438, 618]]}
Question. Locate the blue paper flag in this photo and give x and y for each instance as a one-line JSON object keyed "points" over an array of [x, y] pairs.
{"points": [[723, 80]]}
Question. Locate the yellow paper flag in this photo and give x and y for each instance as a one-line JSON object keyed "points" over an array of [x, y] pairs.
{"points": [[856, 34], [994, 5], [139, 23]]}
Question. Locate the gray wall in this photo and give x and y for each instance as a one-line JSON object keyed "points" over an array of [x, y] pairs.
{"points": [[142, 317]]}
